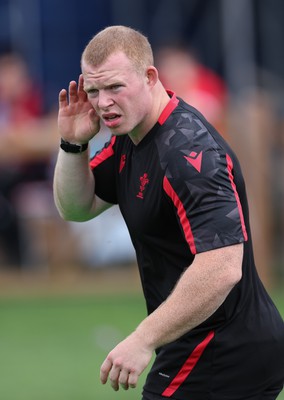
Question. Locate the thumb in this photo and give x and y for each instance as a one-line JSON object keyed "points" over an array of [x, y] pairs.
{"points": [[94, 120]]}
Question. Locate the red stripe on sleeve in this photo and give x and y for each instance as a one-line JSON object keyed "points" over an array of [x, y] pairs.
{"points": [[230, 169], [172, 104], [181, 213], [188, 366], [104, 154]]}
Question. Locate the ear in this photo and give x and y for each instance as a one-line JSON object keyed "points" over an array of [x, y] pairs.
{"points": [[152, 76]]}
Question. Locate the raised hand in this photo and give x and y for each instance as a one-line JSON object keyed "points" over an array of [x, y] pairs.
{"points": [[77, 119]]}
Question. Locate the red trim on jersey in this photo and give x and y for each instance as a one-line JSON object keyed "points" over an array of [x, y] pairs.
{"points": [[181, 213], [172, 104], [188, 366], [104, 154], [230, 172]]}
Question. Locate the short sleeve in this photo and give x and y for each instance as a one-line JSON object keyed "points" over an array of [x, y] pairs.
{"points": [[102, 166], [200, 182]]}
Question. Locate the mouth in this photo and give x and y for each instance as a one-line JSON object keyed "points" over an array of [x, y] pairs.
{"points": [[111, 120]]}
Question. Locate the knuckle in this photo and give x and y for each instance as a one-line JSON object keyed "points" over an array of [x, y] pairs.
{"points": [[117, 363]]}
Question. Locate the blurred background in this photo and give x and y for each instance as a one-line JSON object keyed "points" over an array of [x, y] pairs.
{"points": [[224, 57]]}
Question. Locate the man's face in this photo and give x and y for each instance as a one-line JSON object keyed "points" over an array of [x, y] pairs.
{"points": [[119, 94]]}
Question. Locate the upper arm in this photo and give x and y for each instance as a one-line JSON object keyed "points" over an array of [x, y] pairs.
{"points": [[222, 266]]}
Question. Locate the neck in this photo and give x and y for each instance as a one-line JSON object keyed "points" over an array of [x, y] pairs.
{"points": [[160, 99]]}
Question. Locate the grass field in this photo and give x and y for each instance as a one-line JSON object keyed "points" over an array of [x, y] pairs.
{"points": [[52, 347]]}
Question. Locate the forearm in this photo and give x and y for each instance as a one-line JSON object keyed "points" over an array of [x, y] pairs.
{"points": [[197, 295], [74, 186]]}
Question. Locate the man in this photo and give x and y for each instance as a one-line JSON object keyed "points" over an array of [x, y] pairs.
{"points": [[216, 333]]}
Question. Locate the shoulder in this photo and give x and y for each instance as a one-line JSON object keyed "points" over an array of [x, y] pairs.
{"points": [[187, 133]]}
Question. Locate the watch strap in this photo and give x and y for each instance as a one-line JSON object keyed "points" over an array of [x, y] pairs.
{"points": [[73, 148]]}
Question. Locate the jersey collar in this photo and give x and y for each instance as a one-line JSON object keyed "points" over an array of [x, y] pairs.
{"points": [[172, 104]]}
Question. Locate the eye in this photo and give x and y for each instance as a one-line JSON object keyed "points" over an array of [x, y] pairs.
{"points": [[115, 88], [92, 92]]}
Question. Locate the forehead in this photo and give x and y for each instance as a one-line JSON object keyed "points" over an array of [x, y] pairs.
{"points": [[116, 67]]}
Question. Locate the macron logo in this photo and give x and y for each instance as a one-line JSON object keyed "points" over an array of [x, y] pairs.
{"points": [[195, 160]]}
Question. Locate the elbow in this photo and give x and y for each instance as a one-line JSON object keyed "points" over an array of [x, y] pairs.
{"points": [[233, 277], [227, 281], [63, 214], [70, 215], [234, 263], [71, 212], [66, 217], [73, 217], [236, 277]]}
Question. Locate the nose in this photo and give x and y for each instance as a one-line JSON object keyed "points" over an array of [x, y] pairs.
{"points": [[104, 100]]}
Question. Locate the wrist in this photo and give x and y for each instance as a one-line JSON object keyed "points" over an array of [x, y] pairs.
{"points": [[73, 147], [146, 336]]}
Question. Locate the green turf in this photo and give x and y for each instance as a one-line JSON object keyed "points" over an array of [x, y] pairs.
{"points": [[52, 348]]}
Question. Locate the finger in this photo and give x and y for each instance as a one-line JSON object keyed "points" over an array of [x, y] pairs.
{"points": [[81, 82], [93, 115], [105, 369], [113, 377], [62, 98], [123, 379], [81, 92], [94, 121], [132, 379], [73, 95]]}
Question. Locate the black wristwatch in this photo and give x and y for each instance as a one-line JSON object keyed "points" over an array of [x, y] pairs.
{"points": [[73, 148]]}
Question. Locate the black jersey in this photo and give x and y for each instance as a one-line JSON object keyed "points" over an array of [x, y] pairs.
{"points": [[181, 192]]}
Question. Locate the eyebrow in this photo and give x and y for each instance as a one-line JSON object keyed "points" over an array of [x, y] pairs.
{"points": [[108, 86]]}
